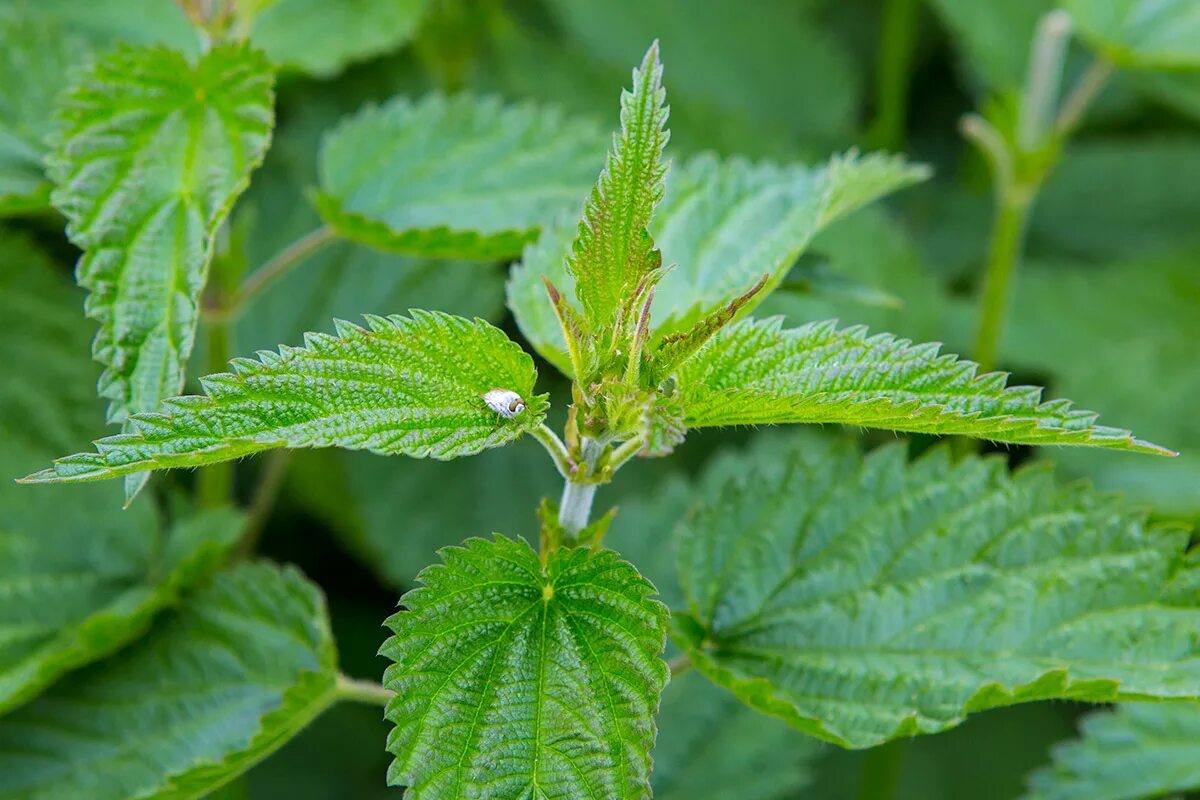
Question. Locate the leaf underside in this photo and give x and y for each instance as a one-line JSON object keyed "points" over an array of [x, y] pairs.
{"points": [[458, 177], [1139, 750], [518, 679], [150, 154], [722, 225], [215, 688], [759, 373], [866, 599], [407, 385]]}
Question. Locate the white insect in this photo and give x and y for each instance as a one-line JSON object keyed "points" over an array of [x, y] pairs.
{"points": [[504, 402]]}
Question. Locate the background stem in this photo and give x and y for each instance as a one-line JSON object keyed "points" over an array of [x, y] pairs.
{"points": [[1008, 236], [279, 265], [897, 43], [881, 771]]}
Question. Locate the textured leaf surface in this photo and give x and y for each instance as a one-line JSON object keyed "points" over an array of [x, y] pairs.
{"points": [[321, 38], [408, 385], [1150, 33], [78, 578], [758, 373], [216, 687], [1149, 325], [1139, 750], [454, 177], [149, 157], [712, 745], [864, 599], [522, 679], [722, 225]]}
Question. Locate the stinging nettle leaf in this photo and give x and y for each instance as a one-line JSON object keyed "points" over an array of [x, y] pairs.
{"points": [[722, 225], [458, 177], [1139, 750], [407, 385], [866, 599], [150, 154], [756, 372], [518, 678], [217, 686]]}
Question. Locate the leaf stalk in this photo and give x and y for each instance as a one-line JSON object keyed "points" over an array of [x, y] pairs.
{"points": [[358, 691]]}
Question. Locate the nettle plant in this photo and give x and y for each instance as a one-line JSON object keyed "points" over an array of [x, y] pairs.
{"points": [[859, 598]]}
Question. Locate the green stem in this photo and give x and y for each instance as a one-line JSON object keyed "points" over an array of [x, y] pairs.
{"points": [[881, 771], [279, 265], [1088, 89], [1044, 80], [356, 691], [214, 483], [273, 472], [575, 507], [1008, 237], [897, 43]]}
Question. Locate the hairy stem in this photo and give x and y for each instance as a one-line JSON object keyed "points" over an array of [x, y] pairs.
{"points": [[357, 691], [555, 447], [269, 483], [279, 265], [575, 507], [881, 771], [1008, 236], [898, 38]]}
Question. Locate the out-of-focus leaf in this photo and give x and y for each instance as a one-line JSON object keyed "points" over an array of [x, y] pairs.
{"points": [[245, 664], [104, 23], [518, 677], [151, 153], [1141, 33], [1145, 313], [994, 36], [454, 177], [1139, 750], [320, 38], [866, 599]]}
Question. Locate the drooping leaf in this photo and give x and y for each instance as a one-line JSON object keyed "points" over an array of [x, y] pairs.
{"points": [[613, 252], [151, 154], [217, 686], [1146, 311], [459, 177], [864, 599], [1141, 33], [78, 577], [407, 385], [1139, 750], [321, 38], [722, 225], [711, 745], [518, 678], [757, 373]]}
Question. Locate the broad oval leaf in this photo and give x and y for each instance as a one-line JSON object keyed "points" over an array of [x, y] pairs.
{"points": [[1141, 33], [458, 177], [216, 687], [1139, 750], [320, 38], [865, 599], [408, 385], [520, 678], [758, 373], [150, 154], [722, 225]]}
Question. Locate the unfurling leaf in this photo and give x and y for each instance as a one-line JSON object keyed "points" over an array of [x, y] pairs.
{"points": [[150, 155], [758, 373], [217, 686], [459, 177], [865, 599], [522, 678], [408, 385]]}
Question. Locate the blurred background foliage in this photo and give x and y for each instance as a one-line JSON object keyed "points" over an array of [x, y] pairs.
{"points": [[1106, 307]]}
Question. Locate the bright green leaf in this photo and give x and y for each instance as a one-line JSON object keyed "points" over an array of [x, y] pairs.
{"points": [[518, 678], [1141, 33], [460, 177], [409, 385], [151, 154], [865, 599], [1139, 750], [758, 373], [216, 687], [320, 38], [711, 745], [722, 225]]}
